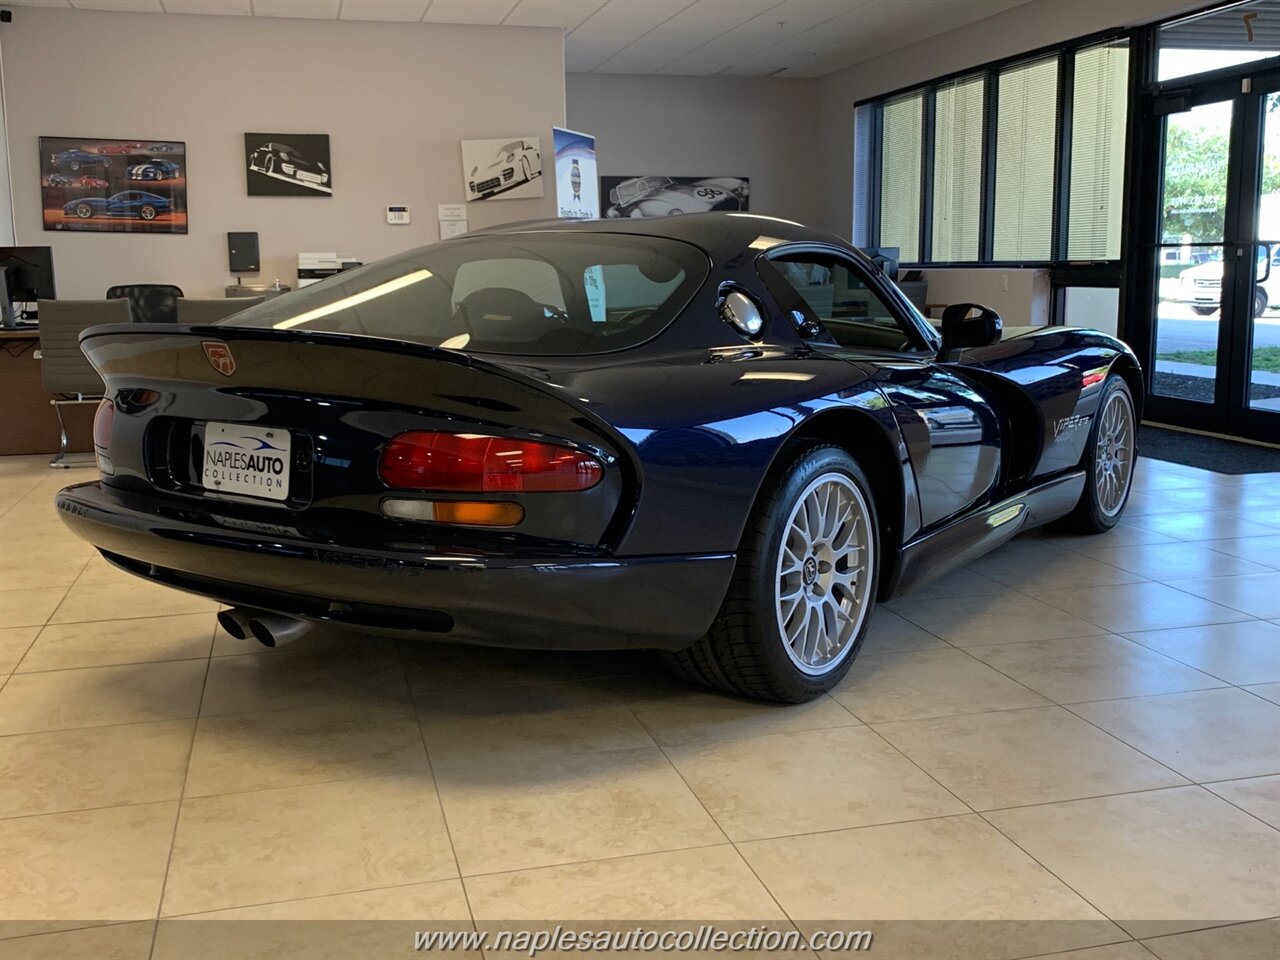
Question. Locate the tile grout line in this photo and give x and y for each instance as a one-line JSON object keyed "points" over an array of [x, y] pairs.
{"points": [[435, 783], [177, 816]]}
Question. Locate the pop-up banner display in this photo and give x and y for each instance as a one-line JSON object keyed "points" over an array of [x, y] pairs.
{"points": [[577, 192]]}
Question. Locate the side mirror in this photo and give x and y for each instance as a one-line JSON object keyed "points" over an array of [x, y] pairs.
{"points": [[970, 325]]}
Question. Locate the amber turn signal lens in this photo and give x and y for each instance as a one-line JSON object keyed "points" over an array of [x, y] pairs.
{"points": [[472, 513]]}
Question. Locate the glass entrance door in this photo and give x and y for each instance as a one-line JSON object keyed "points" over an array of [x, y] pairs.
{"points": [[1214, 321]]}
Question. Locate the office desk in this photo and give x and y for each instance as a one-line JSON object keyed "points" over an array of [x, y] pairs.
{"points": [[27, 421]]}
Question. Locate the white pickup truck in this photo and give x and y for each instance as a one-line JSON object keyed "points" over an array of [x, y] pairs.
{"points": [[1201, 285]]}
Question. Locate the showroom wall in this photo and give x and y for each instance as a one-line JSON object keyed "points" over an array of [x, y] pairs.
{"points": [[394, 98], [761, 128]]}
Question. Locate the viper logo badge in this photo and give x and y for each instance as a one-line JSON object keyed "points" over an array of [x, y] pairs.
{"points": [[1068, 423], [220, 357]]}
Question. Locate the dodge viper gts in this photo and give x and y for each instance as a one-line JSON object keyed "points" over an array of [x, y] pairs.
{"points": [[722, 436], [128, 203], [80, 160], [154, 170]]}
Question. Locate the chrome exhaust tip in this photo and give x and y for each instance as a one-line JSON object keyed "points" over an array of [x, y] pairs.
{"points": [[235, 622], [275, 630]]}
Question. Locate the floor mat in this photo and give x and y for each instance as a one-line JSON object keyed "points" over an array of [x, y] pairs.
{"points": [[1207, 453]]}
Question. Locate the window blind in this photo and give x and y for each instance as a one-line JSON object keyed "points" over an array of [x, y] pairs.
{"points": [[900, 157], [957, 170], [1026, 121], [1099, 112]]}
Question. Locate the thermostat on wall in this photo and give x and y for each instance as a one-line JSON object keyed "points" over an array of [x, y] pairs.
{"points": [[397, 213]]}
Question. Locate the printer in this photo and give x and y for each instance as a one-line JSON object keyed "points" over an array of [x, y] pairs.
{"points": [[313, 267]]}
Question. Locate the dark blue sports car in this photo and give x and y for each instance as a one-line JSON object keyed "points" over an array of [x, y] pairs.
{"points": [[128, 203], [80, 160], [723, 436], [154, 169]]}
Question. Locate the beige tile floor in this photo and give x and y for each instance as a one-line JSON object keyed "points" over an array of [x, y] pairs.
{"points": [[1070, 748]]}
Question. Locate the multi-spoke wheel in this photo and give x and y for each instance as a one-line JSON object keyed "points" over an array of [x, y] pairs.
{"points": [[822, 573], [805, 581], [1109, 460]]}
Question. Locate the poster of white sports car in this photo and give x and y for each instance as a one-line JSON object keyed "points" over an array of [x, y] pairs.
{"points": [[508, 169], [288, 164], [666, 196]]}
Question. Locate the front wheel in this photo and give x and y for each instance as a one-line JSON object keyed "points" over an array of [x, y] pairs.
{"points": [[1109, 459], [1259, 301], [84, 211], [1204, 311], [797, 607]]}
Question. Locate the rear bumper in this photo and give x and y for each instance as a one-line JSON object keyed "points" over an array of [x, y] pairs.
{"points": [[515, 601]]}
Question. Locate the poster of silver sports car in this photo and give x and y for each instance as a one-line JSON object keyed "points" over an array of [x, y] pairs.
{"points": [[507, 169], [664, 196], [113, 186], [288, 164]]}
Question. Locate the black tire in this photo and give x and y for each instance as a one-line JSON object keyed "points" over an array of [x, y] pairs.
{"points": [[84, 211], [1203, 311], [744, 652], [148, 212], [1259, 301], [74, 165], [1089, 515]]}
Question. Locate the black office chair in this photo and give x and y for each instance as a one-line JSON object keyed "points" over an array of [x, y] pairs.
{"points": [[149, 302]]}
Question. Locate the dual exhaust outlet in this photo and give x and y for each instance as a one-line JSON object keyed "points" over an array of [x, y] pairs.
{"points": [[269, 629]]}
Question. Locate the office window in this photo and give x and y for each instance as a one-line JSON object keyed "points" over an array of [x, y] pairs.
{"points": [[1099, 112], [957, 170], [1026, 123], [900, 155]]}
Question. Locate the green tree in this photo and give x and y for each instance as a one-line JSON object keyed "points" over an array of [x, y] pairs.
{"points": [[1195, 183]]}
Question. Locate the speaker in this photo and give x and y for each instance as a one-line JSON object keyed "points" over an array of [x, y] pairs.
{"points": [[242, 251]]}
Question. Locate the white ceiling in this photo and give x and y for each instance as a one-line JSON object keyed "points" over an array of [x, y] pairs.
{"points": [[793, 38]]}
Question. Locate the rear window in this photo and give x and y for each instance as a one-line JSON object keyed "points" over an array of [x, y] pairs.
{"points": [[530, 294]]}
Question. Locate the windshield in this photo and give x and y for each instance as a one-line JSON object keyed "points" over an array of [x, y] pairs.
{"points": [[530, 294]]}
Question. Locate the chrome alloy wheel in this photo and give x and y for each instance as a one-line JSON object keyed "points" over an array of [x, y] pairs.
{"points": [[823, 573], [1113, 453]]}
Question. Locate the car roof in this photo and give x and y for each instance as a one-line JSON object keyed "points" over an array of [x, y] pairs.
{"points": [[719, 234]]}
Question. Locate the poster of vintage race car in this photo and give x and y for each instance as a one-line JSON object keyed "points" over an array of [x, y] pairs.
{"points": [[509, 169], [667, 196], [91, 184], [288, 165]]}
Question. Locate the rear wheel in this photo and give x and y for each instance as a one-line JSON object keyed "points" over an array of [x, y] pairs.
{"points": [[802, 591], [1203, 310], [148, 212], [1259, 301], [1109, 460]]}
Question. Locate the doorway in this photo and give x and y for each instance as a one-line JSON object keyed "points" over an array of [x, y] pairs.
{"points": [[1211, 296]]}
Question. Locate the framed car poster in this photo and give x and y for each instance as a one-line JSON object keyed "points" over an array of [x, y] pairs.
{"points": [[113, 186], [507, 169], [665, 196], [577, 196], [288, 165]]}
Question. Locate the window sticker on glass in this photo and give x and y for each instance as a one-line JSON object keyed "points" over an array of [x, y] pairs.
{"points": [[593, 287]]}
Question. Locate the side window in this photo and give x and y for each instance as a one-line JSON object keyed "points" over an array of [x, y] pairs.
{"points": [[536, 279], [850, 311]]}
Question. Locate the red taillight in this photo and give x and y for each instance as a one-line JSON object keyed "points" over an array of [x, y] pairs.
{"points": [[425, 460], [103, 420]]}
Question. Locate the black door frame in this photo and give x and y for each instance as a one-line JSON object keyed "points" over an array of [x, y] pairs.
{"points": [[1247, 87]]}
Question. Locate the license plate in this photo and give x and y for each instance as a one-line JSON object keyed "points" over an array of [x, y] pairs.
{"points": [[247, 460]]}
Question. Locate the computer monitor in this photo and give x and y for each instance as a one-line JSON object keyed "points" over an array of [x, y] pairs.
{"points": [[29, 271], [886, 257]]}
